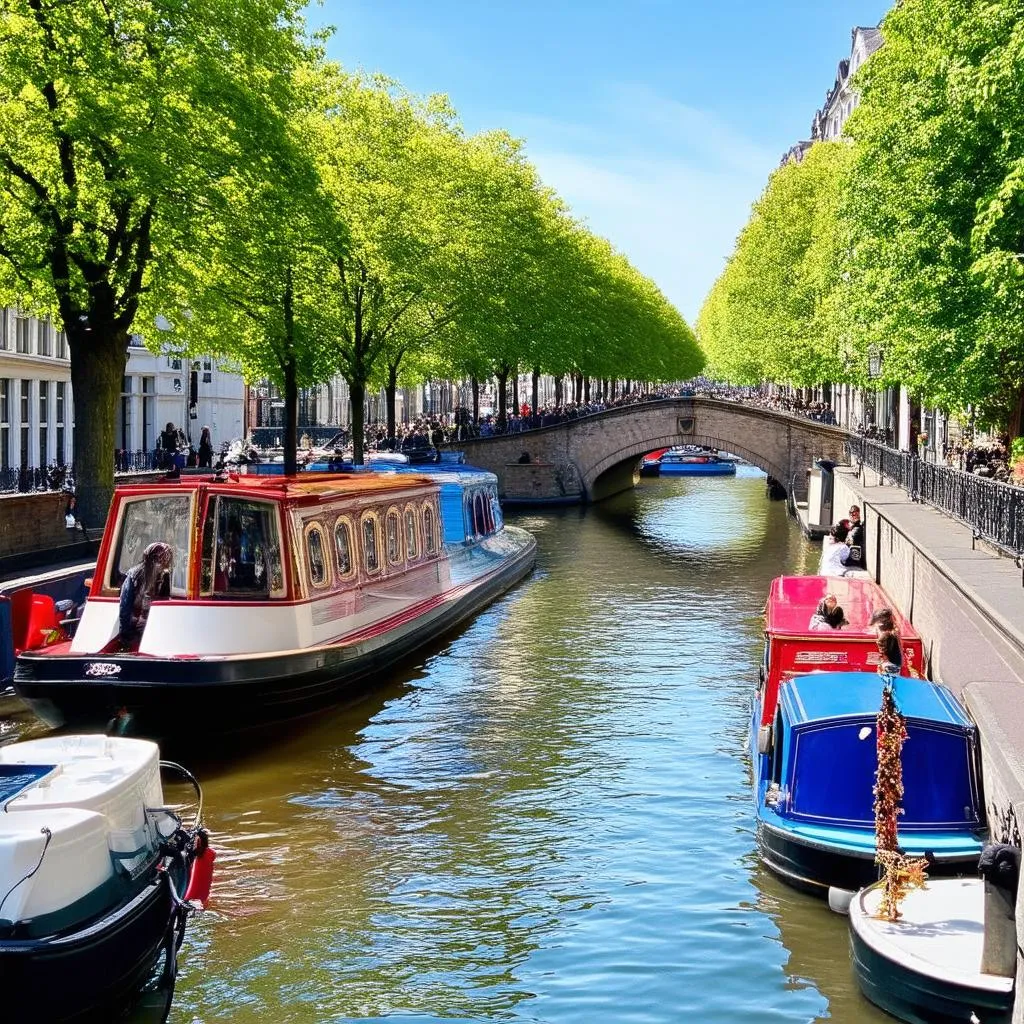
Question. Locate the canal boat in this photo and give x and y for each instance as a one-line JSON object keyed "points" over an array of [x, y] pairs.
{"points": [[650, 464], [286, 594], [929, 965], [814, 782], [690, 461], [96, 875], [794, 645]]}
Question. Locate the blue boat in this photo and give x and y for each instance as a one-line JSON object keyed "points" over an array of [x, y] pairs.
{"points": [[815, 773], [694, 462]]}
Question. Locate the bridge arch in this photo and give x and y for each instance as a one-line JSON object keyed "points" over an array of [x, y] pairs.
{"points": [[596, 456]]}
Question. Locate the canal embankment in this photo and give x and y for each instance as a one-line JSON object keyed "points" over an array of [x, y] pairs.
{"points": [[967, 602]]}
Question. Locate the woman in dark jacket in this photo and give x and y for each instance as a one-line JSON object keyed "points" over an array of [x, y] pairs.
{"points": [[205, 449]]}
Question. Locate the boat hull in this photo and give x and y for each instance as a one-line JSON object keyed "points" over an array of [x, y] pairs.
{"points": [[919, 998], [90, 975], [697, 469], [163, 697], [815, 868]]}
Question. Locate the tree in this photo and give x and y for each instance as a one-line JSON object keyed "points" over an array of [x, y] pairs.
{"points": [[114, 120]]}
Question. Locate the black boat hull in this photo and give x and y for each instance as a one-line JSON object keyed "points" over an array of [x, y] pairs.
{"points": [[160, 698], [816, 869], [919, 999], [90, 975]]}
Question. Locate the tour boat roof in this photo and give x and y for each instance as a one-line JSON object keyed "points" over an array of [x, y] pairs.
{"points": [[321, 485], [830, 695], [792, 601]]}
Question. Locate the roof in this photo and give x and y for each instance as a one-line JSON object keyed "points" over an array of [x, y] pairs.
{"points": [[792, 601], [829, 695], [321, 485]]}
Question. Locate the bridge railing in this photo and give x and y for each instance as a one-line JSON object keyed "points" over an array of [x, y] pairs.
{"points": [[994, 510]]}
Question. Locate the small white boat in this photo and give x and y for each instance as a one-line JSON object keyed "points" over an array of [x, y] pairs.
{"points": [[94, 872], [927, 966]]}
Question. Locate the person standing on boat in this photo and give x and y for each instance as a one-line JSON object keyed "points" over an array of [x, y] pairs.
{"points": [[143, 583], [835, 552]]}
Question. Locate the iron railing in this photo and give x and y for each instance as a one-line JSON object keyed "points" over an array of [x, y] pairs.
{"points": [[994, 510]]}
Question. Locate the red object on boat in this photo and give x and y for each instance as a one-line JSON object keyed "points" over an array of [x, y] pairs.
{"points": [[201, 877], [792, 648], [655, 455]]}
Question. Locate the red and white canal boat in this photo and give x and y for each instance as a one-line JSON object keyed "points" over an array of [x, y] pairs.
{"points": [[284, 595]]}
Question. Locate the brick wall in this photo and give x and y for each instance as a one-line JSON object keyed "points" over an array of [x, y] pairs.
{"points": [[34, 522]]}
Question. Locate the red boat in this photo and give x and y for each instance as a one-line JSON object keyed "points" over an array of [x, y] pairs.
{"points": [[793, 648]]}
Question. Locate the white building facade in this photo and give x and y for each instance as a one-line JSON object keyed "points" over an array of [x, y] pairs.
{"points": [[37, 405]]}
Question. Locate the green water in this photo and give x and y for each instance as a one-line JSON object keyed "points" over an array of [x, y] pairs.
{"points": [[547, 818]]}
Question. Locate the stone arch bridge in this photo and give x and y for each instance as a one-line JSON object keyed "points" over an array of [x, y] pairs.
{"points": [[596, 456]]}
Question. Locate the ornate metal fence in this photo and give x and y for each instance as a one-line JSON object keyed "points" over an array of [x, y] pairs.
{"points": [[994, 510]]}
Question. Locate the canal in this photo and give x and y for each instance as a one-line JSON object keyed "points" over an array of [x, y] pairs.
{"points": [[548, 818]]}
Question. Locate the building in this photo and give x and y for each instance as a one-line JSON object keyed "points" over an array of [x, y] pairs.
{"points": [[842, 99], [37, 406]]}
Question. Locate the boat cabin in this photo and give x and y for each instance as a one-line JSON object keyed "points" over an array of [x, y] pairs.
{"points": [[821, 768], [793, 646], [280, 543]]}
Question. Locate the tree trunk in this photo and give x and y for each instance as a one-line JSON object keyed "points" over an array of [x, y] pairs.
{"points": [[558, 391], [586, 389], [97, 372], [535, 388], [357, 393], [577, 380], [515, 389], [390, 392], [291, 384], [1015, 423], [476, 401], [502, 376]]}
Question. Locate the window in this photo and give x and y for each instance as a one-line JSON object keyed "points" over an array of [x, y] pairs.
{"points": [[21, 334], [45, 330], [24, 409], [316, 554], [5, 343], [62, 345], [148, 413], [430, 529], [60, 422], [5, 423], [393, 531], [207, 371], [163, 517], [480, 514], [370, 557], [343, 548], [44, 419], [412, 534], [241, 554], [174, 362]]}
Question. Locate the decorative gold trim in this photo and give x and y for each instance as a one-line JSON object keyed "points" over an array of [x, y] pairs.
{"points": [[307, 531], [373, 517], [353, 558], [394, 563]]}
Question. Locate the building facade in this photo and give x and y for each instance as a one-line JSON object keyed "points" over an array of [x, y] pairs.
{"points": [[37, 405]]}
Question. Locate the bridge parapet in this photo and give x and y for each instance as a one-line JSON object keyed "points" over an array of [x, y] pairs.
{"points": [[596, 456]]}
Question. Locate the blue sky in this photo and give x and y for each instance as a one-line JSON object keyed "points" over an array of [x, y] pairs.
{"points": [[658, 121]]}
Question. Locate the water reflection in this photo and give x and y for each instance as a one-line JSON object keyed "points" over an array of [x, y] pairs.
{"points": [[547, 818]]}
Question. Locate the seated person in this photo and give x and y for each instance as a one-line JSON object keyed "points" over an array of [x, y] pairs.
{"points": [[828, 614], [143, 583], [835, 552]]}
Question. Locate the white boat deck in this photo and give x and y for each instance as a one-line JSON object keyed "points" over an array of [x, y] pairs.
{"points": [[940, 934]]}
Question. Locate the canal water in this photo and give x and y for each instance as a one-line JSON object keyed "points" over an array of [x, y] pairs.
{"points": [[547, 818]]}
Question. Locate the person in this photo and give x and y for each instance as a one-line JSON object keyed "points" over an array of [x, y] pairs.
{"points": [[890, 652], [828, 615], [834, 552], [855, 539], [205, 449], [168, 445], [149, 580], [71, 512], [524, 458]]}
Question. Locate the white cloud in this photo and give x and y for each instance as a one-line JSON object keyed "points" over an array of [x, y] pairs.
{"points": [[669, 185]]}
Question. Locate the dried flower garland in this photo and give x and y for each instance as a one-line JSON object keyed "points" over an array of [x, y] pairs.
{"points": [[900, 872]]}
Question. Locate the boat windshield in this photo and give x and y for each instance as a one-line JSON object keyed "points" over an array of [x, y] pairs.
{"points": [[145, 520], [241, 550]]}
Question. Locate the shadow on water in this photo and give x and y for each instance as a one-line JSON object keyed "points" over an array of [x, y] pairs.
{"points": [[545, 817]]}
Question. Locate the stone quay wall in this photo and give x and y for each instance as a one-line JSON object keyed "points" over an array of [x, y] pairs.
{"points": [[967, 602]]}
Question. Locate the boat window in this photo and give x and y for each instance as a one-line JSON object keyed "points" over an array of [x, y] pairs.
{"points": [[496, 517], [370, 557], [470, 521], [392, 530], [241, 554], [343, 547], [430, 529], [777, 749], [412, 535], [480, 514], [160, 517], [316, 553]]}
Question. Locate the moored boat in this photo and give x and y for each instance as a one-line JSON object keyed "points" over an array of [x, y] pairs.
{"points": [[928, 965], [650, 464], [286, 593], [689, 461], [95, 878], [815, 773]]}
